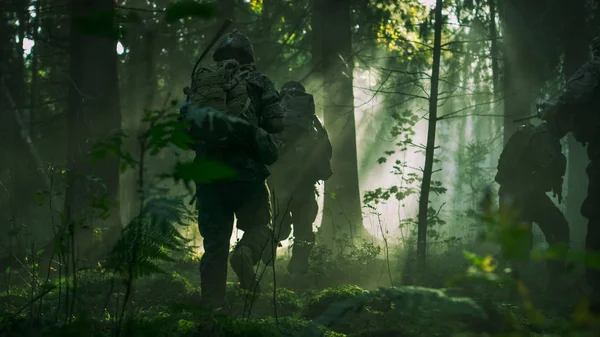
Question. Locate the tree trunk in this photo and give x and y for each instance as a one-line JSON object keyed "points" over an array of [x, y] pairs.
{"points": [[429, 151], [518, 84], [332, 57], [141, 88], [576, 53], [19, 184], [93, 113], [20, 176]]}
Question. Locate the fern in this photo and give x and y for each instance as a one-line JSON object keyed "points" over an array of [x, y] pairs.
{"points": [[157, 235], [152, 236]]}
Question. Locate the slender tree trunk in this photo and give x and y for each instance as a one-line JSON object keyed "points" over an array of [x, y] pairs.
{"points": [[135, 102], [429, 151], [494, 48], [6, 122], [332, 57], [576, 53], [35, 58], [93, 114]]}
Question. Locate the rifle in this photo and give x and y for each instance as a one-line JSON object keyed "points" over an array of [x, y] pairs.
{"points": [[540, 109], [186, 90], [211, 44]]}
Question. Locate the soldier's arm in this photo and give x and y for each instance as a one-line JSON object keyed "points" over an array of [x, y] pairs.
{"points": [[271, 112], [580, 90]]}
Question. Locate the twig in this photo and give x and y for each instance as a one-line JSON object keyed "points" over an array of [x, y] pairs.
{"points": [[25, 307], [387, 251]]}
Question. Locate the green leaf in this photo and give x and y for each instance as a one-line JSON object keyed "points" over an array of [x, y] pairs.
{"points": [[189, 8], [204, 171]]}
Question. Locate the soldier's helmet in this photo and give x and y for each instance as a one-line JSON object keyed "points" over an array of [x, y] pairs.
{"points": [[291, 86], [234, 45]]}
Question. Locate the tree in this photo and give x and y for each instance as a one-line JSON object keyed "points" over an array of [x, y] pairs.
{"points": [[430, 147], [93, 113], [575, 48], [139, 92], [333, 61]]}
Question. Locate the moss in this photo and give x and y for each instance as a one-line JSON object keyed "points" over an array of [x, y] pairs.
{"points": [[319, 304]]}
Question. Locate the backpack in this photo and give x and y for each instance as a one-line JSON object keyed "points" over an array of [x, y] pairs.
{"points": [[306, 149], [222, 87], [221, 91], [514, 163], [299, 110]]}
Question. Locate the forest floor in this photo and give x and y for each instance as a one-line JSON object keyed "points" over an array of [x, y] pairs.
{"points": [[167, 305]]}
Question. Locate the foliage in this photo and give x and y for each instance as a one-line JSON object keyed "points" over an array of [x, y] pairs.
{"points": [[391, 39], [351, 260], [188, 8]]}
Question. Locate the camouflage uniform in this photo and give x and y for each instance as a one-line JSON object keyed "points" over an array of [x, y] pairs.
{"points": [[293, 182], [531, 165], [577, 110], [247, 196]]}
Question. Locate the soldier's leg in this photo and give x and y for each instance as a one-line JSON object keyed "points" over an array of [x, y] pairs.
{"points": [[282, 221], [591, 210], [304, 212], [253, 217], [515, 203], [215, 222], [555, 227]]}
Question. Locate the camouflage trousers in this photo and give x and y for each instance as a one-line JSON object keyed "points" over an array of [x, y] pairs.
{"points": [[591, 210], [217, 204], [297, 207], [537, 207]]}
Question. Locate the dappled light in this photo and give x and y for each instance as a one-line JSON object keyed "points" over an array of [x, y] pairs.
{"points": [[299, 168]]}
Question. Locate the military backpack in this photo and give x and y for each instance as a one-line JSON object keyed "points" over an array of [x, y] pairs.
{"points": [[306, 144], [221, 92]]}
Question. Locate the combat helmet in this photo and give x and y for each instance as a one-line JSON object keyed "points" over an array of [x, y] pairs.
{"points": [[292, 86], [234, 45]]}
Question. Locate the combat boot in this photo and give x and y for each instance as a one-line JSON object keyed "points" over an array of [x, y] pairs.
{"points": [[241, 263]]}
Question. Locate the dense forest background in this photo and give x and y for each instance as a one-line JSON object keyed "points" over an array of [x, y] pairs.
{"points": [[418, 103]]}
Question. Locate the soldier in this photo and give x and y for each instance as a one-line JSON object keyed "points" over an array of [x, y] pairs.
{"points": [[531, 165], [304, 160], [242, 108], [577, 110]]}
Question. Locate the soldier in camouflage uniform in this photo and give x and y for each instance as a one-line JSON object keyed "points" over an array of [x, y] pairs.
{"points": [[249, 96], [577, 110], [531, 165], [304, 160]]}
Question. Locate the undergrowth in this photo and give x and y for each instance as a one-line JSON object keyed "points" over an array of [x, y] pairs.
{"points": [[148, 284]]}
